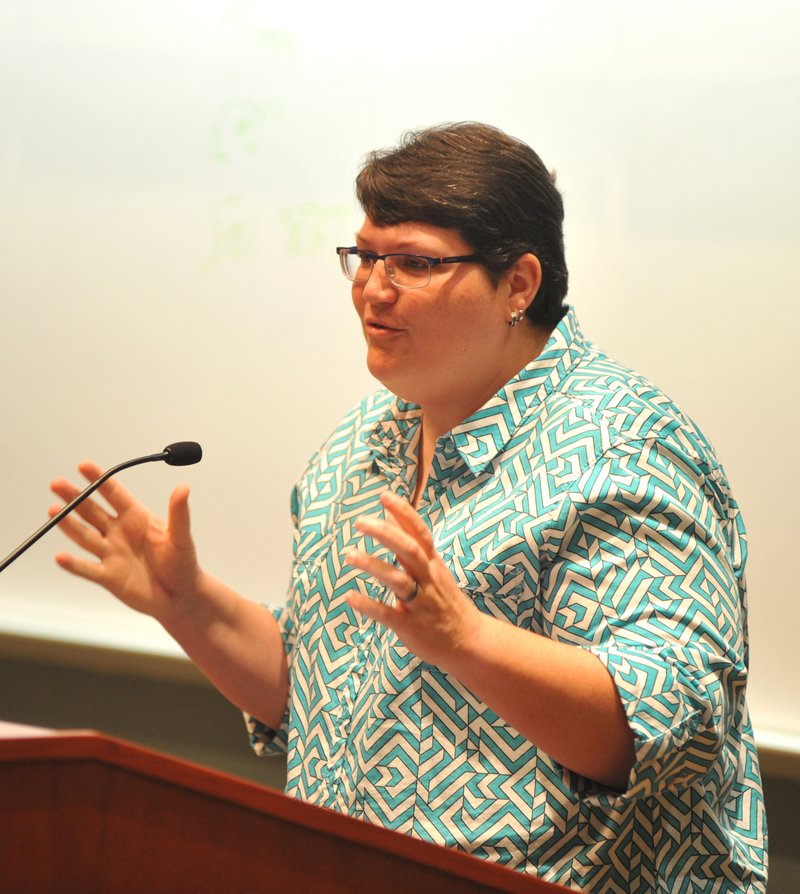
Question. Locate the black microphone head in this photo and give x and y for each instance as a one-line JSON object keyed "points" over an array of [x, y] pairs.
{"points": [[183, 453]]}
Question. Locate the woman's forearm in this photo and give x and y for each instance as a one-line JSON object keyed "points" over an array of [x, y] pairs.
{"points": [[236, 643], [561, 697]]}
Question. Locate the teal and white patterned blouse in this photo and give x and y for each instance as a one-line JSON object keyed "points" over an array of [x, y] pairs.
{"points": [[581, 504]]}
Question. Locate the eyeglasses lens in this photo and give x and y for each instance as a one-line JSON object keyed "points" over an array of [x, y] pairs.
{"points": [[406, 271]]}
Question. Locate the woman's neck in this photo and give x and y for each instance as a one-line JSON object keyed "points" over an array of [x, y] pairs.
{"points": [[440, 418]]}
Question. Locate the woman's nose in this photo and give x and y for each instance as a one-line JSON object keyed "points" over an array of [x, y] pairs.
{"points": [[378, 286]]}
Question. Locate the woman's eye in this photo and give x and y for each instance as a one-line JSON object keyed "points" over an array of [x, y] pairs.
{"points": [[413, 265]]}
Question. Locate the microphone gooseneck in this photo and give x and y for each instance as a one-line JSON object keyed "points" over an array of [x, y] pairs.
{"points": [[181, 453]]}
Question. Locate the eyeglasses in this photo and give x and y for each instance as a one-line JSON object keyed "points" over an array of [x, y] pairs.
{"points": [[404, 270]]}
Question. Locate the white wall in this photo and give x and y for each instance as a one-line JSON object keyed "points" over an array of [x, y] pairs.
{"points": [[174, 177]]}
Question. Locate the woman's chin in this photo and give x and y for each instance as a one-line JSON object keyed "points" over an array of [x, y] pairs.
{"points": [[396, 380]]}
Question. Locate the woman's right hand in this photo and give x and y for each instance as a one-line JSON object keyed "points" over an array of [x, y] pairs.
{"points": [[147, 563]]}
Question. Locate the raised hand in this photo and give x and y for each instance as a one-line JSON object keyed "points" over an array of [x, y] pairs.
{"points": [[146, 562], [432, 617]]}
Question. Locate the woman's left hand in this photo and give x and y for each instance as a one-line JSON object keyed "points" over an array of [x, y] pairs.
{"points": [[560, 697], [431, 615]]}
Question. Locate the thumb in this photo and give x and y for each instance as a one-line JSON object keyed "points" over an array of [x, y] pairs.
{"points": [[178, 519]]}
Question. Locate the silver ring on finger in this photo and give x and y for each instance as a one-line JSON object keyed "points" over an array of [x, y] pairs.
{"points": [[413, 594]]}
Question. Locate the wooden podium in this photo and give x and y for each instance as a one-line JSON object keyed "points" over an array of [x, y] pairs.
{"points": [[81, 812]]}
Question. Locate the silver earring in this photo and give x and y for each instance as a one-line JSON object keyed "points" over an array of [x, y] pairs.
{"points": [[515, 318]]}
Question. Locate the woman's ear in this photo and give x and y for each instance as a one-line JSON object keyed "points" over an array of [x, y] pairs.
{"points": [[524, 278]]}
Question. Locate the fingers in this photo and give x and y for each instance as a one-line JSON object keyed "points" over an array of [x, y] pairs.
{"points": [[430, 615], [403, 531], [89, 538], [88, 510], [371, 608], [389, 575], [409, 554], [178, 518], [118, 497], [92, 571], [114, 493], [406, 535], [408, 519]]}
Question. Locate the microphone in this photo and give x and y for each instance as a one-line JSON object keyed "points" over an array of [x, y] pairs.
{"points": [[182, 453]]}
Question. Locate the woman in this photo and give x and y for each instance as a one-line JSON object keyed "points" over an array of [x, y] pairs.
{"points": [[516, 621]]}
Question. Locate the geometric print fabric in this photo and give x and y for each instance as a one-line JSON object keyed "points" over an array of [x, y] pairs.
{"points": [[581, 504]]}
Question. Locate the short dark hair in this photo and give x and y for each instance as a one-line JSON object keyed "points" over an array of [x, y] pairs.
{"points": [[491, 188]]}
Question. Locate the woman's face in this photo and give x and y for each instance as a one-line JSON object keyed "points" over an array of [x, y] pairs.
{"points": [[442, 345]]}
